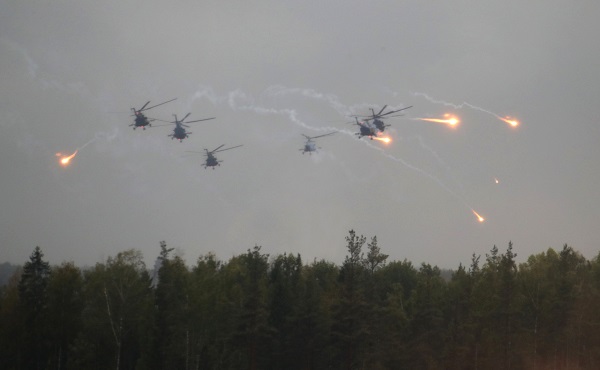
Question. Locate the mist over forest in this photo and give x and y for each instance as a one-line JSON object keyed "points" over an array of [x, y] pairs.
{"points": [[261, 311]]}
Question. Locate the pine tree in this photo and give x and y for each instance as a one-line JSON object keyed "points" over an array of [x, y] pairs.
{"points": [[65, 305], [174, 337], [11, 327], [350, 329], [285, 290], [251, 332], [33, 296], [427, 325]]}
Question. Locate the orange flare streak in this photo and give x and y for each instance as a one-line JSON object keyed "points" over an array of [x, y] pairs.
{"points": [[512, 122], [449, 120], [64, 160], [479, 218], [385, 139]]}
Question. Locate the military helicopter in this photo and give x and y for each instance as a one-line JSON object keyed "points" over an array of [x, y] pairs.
{"points": [[140, 119], [366, 129], [309, 145], [377, 117], [211, 160], [179, 131]]}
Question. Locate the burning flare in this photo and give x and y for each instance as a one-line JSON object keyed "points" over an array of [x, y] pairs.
{"points": [[496, 180], [385, 139], [512, 122], [449, 119], [479, 218], [64, 160]]}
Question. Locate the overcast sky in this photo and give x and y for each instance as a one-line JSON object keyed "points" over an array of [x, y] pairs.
{"points": [[271, 71]]}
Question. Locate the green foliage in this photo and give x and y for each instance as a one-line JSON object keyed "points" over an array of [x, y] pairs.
{"points": [[175, 338], [11, 326], [33, 301], [65, 305], [260, 312], [118, 299]]}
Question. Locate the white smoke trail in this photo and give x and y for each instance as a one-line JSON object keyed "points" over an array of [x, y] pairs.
{"points": [[331, 99], [439, 159], [240, 101], [417, 169], [32, 66], [108, 136], [455, 106]]}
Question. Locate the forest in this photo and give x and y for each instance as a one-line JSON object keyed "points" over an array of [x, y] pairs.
{"points": [[257, 311]]}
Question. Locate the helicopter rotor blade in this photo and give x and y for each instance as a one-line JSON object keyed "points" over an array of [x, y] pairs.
{"points": [[396, 111], [382, 109], [144, 106], [186, 116], [161, 120], [399, 115], [204, 119], [358, 123], [222, 150], [168, 101], [331, 133], [214, 150]]}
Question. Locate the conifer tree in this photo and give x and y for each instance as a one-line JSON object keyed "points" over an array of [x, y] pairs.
{"points": [[33, 297], [350, 329], [65, 305]]}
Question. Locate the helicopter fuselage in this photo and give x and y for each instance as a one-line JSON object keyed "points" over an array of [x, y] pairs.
{"points": [[211, 161], [309, 147], [379, 124], [179, 133], [367, 130], [141, 121]]}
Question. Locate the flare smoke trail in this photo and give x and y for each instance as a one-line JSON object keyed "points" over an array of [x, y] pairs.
{"points": [[448, 119], [439, 160], [65, 160], [238, 100], [426, 174], [330, 99], [508, 120]]}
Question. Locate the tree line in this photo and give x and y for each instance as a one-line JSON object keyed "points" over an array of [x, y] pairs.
{"points": [[255, 311]]}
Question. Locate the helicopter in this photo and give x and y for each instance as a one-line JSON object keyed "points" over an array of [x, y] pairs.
{"points": [[377, 117], [309, 145], [366, 129], [211, 160], [140, 119], [179, 131]]}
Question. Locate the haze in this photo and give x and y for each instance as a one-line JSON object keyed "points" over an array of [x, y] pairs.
{"points": [[270, 71]]}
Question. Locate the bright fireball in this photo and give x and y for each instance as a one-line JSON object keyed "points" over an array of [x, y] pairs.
{"points": [[65, 160], [479, 218]]}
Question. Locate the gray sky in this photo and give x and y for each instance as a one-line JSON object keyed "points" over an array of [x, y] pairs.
{"points": [[271, 71]]}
